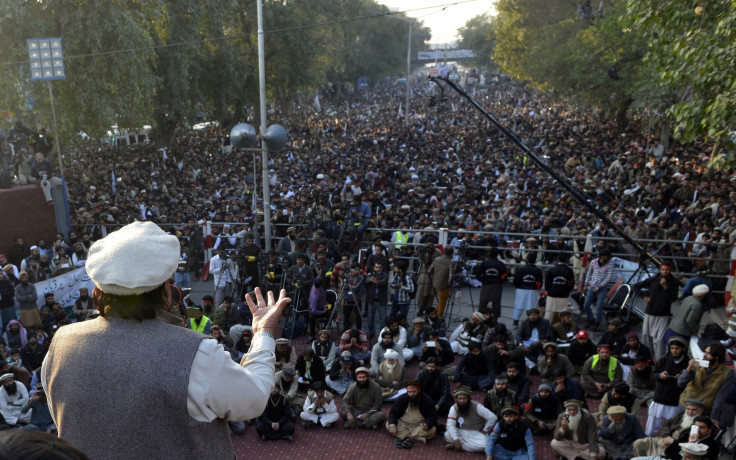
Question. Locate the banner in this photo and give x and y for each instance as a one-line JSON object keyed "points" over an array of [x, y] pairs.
{"points": [[65, 287], [445, 55]]}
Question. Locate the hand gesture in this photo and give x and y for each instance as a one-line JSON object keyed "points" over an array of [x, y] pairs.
{"points": [[266, 316]]}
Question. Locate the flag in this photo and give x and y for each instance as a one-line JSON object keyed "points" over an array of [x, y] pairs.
{"points": [[316, 101], [113, 182], [400, 113]]}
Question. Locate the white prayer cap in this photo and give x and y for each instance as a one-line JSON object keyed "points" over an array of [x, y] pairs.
{"points": [[135, 259]]}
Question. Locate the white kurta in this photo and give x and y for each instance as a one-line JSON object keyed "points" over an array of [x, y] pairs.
{"points": [[10, 405], [653, 331], [471, 440], [323, 415]]}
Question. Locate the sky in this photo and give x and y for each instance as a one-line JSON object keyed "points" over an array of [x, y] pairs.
{"points": [[443, 23]]}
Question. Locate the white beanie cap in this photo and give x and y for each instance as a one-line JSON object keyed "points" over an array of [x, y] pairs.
{"points": [[135, 259], [391, 354], [700, 289]]}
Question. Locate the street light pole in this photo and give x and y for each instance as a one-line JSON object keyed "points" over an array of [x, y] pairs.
{"points": [[408, 59], [408, 76], [264, 147]]}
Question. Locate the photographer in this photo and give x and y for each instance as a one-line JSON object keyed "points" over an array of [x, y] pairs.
{"points": [[376, 298], [274, 271], [425, 289], [318, 307], [353, 298], [403, 287], [358, 214], [221, 267], [251, 253], [300, 278]]}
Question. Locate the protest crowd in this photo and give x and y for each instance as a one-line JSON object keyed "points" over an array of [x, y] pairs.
{"points": [[384, 224]]}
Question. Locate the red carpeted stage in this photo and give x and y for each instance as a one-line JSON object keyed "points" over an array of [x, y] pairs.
{"points": [[24, 213]]}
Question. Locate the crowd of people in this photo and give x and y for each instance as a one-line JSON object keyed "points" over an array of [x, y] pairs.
{"points": [[540, 379], [353, 173]]}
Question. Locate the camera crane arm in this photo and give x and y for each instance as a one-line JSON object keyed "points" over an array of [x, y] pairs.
{"points": [[576, 194]]}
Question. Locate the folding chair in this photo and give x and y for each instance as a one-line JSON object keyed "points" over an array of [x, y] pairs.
{"points": [[618, 302]]}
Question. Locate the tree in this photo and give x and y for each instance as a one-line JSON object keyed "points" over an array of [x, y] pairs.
{"points": [[691, 47], [100, 88], [579, 52], [478, 35], [171, 63]]}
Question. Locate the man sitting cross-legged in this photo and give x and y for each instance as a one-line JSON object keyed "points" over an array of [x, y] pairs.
{"points": [[319, 407], [468, 423], [412, 417]]}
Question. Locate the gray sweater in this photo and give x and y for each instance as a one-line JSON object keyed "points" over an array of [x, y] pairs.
{"points": [[26, 296], [686, 320]]}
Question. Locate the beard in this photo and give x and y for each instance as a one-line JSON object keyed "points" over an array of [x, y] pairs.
{"points": [[362, 385], [391, 367], [463, 409], [12, 389], [414, 401], [575, 420], [687, 422], [386, 346]]}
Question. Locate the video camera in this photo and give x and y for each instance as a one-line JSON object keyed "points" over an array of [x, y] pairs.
{"points": [[228, 254]]}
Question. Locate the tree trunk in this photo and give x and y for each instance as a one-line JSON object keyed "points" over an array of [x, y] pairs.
{"points": [[163, 134], [622, 119]]}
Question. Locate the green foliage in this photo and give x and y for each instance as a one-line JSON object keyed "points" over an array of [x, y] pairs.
{"points": [[188, 60], [478, 35], [591, 60], [100, 89], [673, 58], [691, 46]]}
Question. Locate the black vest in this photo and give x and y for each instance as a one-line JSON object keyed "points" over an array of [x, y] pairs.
{"points": [[323, 351], [512, 440]]}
